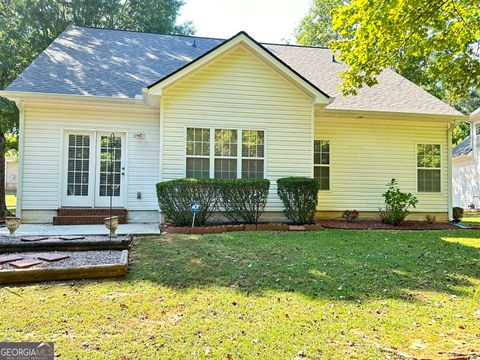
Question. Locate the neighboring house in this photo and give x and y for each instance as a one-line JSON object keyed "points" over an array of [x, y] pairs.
{"points": [[173, 102], [466, 167], [11, 172]]}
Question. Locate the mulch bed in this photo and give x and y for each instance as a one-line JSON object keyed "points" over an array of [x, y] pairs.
{"points": [[378, 225], [320, 225]]}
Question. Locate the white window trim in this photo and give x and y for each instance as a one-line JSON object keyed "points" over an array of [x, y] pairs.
{"points": [[428, 168], [324, 165], [239, 156]]}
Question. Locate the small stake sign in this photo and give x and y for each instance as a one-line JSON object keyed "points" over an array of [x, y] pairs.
{"points": [[195, 208]]}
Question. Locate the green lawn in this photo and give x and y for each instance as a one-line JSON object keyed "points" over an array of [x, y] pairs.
{"points": [[332, 294], [471, 219]]}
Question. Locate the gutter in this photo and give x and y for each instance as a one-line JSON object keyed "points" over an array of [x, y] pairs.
{"points": [[449, 171], [21, 141]]}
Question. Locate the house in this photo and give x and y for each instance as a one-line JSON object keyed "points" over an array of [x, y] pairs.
{"points": [[183, 106], [466, 167]]}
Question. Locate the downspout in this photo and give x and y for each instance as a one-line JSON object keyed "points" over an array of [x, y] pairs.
{"points": [[449, 171], [21, 135]]}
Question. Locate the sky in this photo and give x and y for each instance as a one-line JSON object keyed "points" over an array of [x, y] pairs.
{"points": [[265, 20]]}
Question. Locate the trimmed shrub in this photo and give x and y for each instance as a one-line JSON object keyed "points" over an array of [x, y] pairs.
{"points": [[175, 197], [457, 214], [243, 200], [397, 204], [300, 198], [350, 215]]}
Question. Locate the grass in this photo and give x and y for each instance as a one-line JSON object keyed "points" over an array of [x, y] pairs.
{"points": [[471, 219], [332, 294]]}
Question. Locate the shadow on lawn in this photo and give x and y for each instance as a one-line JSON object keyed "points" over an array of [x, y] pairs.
{"points": [[329, 264]]}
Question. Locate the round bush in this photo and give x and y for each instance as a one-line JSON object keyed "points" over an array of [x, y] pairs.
{"points": [[300, 198], [175, 197], [244, 200]]}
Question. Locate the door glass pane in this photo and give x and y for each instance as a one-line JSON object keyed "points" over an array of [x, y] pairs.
{"points": [[78, 165], [110, 165]]}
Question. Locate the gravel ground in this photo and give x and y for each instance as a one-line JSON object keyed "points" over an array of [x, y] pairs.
{"points": [[77, 258], [13, 240]]}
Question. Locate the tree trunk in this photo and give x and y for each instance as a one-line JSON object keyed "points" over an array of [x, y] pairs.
{"points": [[3, 204]]}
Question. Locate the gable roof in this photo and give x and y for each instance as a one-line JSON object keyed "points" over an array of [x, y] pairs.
{"points": [[244, 39], [464, 148], [116, 63]]}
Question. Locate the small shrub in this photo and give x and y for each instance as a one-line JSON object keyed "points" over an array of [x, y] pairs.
{"points": [[457, 214], [397, 204], [430, 219], [243, 200], [175, 197], [350, 215], [300, 198]]}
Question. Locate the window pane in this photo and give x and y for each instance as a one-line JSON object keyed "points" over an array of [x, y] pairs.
{"points": [[322, 175], [78, 165], [429, 180], [321, 152], [428, 155], [253, 143], [198, 168], [225, 142], [252, 169], [225, 168], [198, 142]]}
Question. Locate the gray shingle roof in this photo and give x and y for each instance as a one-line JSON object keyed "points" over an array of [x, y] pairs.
{"points": [[464, 148], [101, 62]]}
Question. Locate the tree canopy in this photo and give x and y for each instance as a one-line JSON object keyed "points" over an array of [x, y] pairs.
{"points": [[433, 44]]}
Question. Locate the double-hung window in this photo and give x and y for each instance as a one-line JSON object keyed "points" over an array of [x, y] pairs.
{"points": [[226, 148], [321, 163], [225, 153], [428, 168], [253, 149], [198, 153]]}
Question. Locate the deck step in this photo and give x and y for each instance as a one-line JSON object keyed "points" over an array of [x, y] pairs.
{"points": [[79, 216]]}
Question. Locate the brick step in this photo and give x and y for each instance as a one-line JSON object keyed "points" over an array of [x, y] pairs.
{"points": [[84, 219], [91, 212]]}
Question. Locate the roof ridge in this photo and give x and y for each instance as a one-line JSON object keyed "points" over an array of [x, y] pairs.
{"points": [[192, 36], [144, 32]]}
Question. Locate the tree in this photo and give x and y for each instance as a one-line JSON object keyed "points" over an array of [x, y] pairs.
{"points": [[377, 34], [317, 29], [8, 125], [27, 27]]}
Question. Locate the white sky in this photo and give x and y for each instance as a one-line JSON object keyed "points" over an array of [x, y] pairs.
{"points": [[265, 20]]}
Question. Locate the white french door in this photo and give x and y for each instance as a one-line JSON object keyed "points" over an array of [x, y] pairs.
{"points": [[94, 167]]}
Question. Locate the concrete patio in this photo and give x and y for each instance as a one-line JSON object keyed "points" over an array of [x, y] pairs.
{"points": [[49, 229]]}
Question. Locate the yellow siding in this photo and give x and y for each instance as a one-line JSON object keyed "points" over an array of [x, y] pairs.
{"points": [[238, 90], [366, 154], [43, 151]]}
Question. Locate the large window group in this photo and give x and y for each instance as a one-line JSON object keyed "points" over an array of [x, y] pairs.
{"points": [[236, 153]]}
